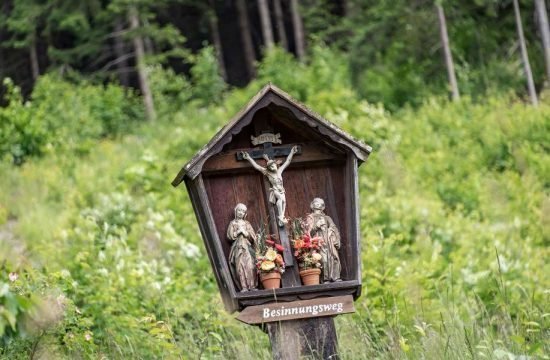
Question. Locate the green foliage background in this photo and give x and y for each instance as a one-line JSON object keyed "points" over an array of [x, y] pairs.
{"points": [[455, 221]]}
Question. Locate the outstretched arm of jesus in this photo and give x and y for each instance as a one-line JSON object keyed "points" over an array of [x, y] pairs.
{"points": [[252, 162], [293, 151]]}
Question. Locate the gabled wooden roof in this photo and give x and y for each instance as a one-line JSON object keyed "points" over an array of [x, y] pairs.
{"points": [[193, 168]]}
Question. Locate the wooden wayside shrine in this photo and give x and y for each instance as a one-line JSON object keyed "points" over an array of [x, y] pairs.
{"points": [[324, 164]]}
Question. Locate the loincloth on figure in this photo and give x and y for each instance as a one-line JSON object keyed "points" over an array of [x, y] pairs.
{"points": [[273, 194]]}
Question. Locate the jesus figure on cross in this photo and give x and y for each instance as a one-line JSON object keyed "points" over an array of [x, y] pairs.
{"points": [[275, 176]]}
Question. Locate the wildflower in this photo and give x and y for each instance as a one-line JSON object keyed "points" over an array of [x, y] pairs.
{"points": [[13, 276], [88, 336]]}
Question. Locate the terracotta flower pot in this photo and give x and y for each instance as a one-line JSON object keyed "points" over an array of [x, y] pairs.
{"points": [[310, 276], [271, 280]]}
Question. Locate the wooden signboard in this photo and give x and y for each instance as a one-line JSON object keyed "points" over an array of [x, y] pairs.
{"points": [[272, 312], [275, 162]]}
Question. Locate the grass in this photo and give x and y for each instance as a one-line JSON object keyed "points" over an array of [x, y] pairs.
{"points": [[454, 222]]}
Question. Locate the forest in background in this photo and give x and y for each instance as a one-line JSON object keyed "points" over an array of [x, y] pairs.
{"points": [[101, 258], [393, 48]]}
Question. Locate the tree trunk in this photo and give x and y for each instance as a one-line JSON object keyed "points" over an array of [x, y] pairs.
{"points": [[216, 41], [148, 45], [35, 68], [345, 8], [140, 64], [120, 53], [298, 30], [447, 53], [545, 34], [246, 38], [280, 24], [265, 21], [525, 57], [303, 339]]}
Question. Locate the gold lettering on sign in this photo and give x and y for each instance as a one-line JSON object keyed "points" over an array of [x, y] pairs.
{"points": [[266, 138]]}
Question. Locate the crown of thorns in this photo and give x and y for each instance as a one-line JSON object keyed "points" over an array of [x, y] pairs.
{"points": [[269, 161]]}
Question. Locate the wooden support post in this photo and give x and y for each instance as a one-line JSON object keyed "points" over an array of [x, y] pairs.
{"points": [[291, 276], [300, 329], [313, 338]]}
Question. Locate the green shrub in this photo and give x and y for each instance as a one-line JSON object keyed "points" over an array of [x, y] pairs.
{"points": [[325, 73], [14, 309], [171, 92], [64, 115], [83, 111], [208, 84], [21, 133]]}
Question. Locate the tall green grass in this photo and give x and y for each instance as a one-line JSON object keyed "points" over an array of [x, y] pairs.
{"points": [[454, 221]]}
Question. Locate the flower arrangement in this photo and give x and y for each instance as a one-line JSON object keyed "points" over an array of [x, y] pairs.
{"points": [[269, 258], [306, 248]]}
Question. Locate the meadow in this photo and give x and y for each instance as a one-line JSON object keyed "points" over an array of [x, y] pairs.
{"points": [[101, 258]]}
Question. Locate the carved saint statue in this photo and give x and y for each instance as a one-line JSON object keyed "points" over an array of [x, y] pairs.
{"points": [[321, 225], [242, 256], [275, 176]]}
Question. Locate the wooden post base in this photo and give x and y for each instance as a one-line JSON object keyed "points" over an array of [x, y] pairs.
{"points": [[313, 338]]}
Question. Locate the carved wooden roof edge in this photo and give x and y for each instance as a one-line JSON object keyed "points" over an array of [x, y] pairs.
{"points": [[350, 140], [192, 168], [188, 168]]}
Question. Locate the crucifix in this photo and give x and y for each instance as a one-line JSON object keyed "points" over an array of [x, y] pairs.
{"points": [[274, 173]]}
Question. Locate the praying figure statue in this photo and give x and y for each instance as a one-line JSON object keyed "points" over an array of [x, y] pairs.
{"points": [[275, 176], [321, 225], [242, 255]]}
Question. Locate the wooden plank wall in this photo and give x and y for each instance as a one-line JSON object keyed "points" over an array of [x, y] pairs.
{"points": [[302, 184], [226, 191]]}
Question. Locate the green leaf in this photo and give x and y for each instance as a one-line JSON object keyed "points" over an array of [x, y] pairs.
{"points": [[10, 317], [216, 336]]}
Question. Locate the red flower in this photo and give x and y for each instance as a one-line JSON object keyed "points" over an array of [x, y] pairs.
{"points": [[279, 247], [270, 242]]}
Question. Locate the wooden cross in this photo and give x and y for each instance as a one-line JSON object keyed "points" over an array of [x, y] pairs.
{"points": [[267, 140], [271, 151]]}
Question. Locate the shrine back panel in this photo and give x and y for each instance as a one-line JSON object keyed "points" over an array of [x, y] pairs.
{"points": [[226, 191], [302, 184]]}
